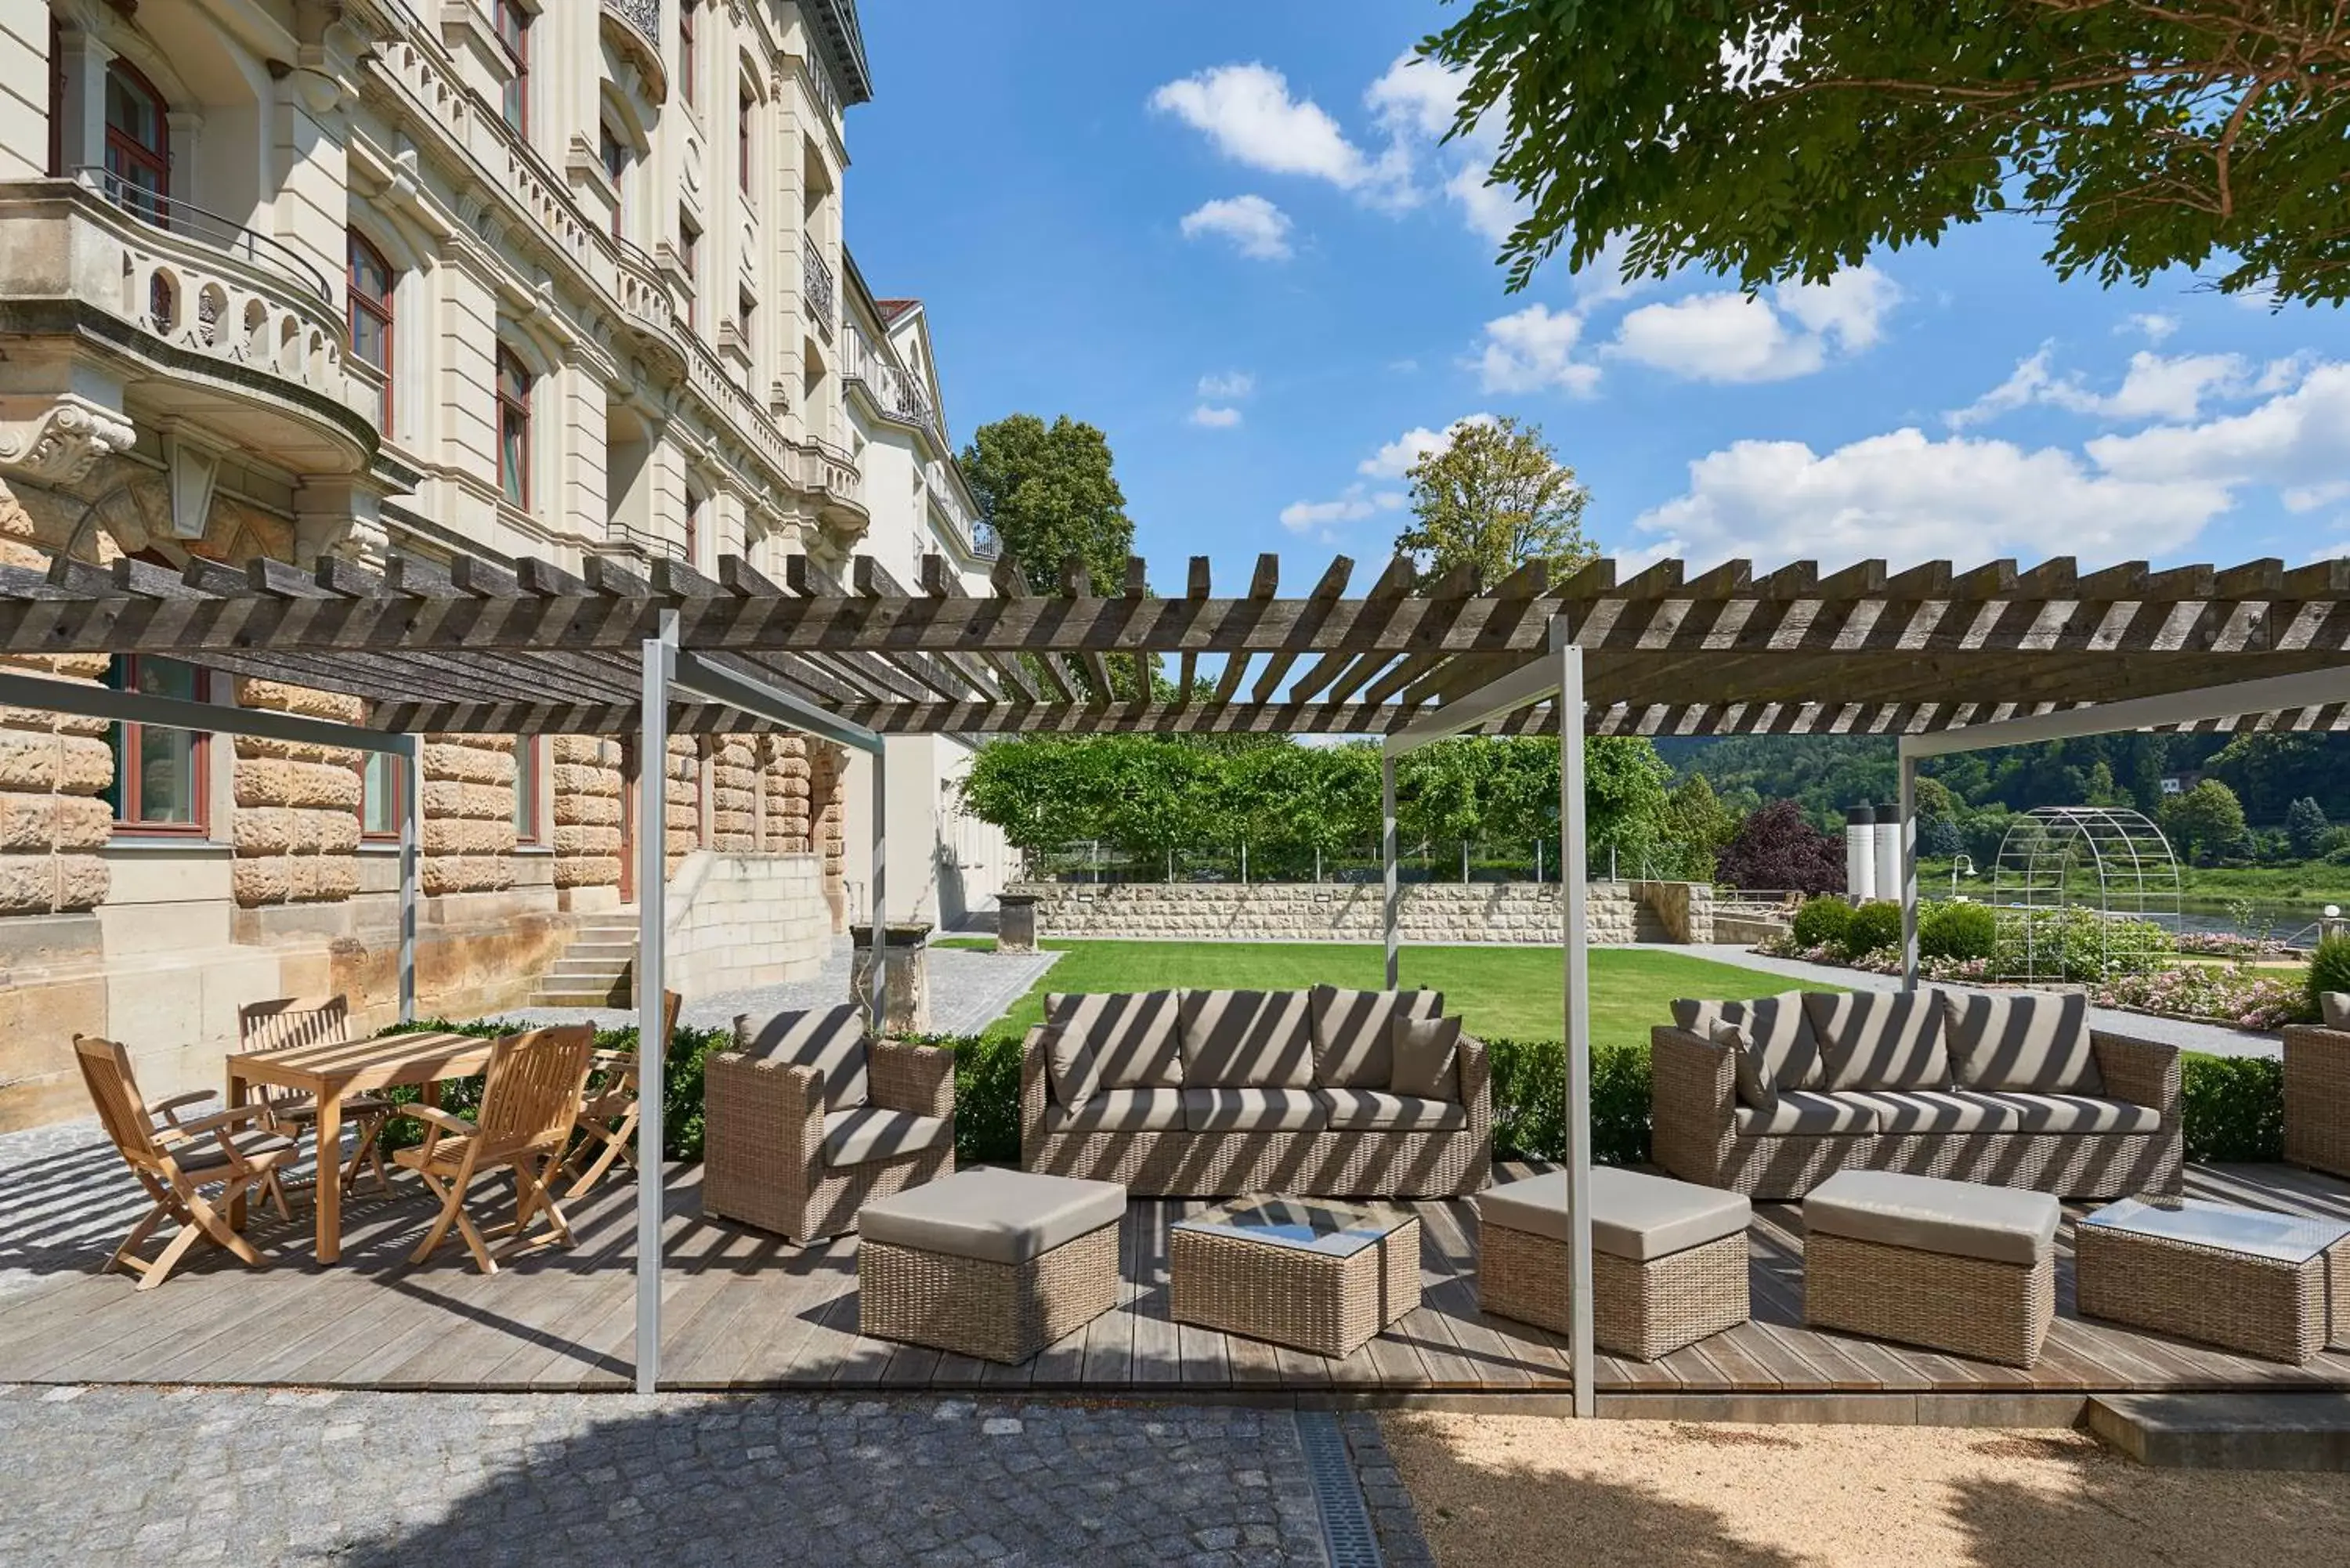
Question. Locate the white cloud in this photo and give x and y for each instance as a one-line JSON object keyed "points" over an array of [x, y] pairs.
{"points": [[1352, 504], [2152, 324], [1210, 417], [1248, 113], [1416, 102], [1395, 458], [1906, 496], [2298, 441], [2155, 387], [1533, 350], [1228, 384], [1256, 225], [1734, 336]]}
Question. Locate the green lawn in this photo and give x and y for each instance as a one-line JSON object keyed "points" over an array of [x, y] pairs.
{"points": [[1499, 992]]}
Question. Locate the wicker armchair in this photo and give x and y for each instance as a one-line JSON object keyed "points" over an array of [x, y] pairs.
{"points": [[2317, 1098], [774, 1155], [1695, 1135]]}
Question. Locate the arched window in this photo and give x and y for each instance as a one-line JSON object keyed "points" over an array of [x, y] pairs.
{"points": [[514, 429], [369, 313], [138, 141]]}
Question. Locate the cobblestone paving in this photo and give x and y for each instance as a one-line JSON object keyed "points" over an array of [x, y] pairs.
{"points": [[252, 1478], [968, 991]]}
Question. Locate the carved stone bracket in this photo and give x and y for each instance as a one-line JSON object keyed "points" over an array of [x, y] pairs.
{"points": [[58, 441]]}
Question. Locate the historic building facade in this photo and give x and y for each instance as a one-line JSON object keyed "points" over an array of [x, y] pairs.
{"points": [[478, 279]]}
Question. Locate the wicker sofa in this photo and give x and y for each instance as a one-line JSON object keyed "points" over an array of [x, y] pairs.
{"points": [[2007, 1088], [807, 1119], [1216, 1092]]}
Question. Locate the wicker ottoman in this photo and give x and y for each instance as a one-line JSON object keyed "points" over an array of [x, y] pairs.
{"points": [[987, 1262], [1668, 1259], [1945, 1264], [2317, 1098]]}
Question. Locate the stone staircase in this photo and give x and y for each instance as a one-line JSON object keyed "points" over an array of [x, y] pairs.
{"points": [[597, 969]]}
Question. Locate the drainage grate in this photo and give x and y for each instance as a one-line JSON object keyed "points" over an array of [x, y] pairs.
{"points": [[1346, 1528]]}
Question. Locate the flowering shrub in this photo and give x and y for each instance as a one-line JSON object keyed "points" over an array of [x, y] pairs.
{"points": [[1879, 960], [2240, 994], [2226, 944], [2078, 944]]}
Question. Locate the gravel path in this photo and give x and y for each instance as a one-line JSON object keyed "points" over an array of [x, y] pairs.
{"points": [[968, 991], [2213, 1039], [245, 1476], [1524, 1491]]}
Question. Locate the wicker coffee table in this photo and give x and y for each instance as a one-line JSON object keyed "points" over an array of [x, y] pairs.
{"points": [[2273, 1285], [1318, 1277]]}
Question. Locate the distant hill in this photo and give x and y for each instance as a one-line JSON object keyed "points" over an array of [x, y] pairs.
{"points": [[1827, 774]]}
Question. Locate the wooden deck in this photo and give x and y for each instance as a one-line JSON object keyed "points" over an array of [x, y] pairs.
{"points": [[744, 1311]]}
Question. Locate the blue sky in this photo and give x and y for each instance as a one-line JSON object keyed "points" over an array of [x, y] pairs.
{"points": [[1226, 234]]}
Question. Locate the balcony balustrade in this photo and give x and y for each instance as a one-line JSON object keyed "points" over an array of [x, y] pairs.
{"points": [[817, 287]]}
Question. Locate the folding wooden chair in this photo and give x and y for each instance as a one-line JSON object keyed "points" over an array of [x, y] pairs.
{"points": [[174, 1160], [608, 1121], [287, 1023], [530, 1101]]}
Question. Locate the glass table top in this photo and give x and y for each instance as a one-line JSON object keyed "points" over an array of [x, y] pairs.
{"points": [[2285, 1237], [1332, 1230]]}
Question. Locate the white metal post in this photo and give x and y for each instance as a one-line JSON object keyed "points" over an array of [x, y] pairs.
{"points": [[1909, 814], [411, 795], [1571, 858], [1393, 908], [876, 982], [653, 906]]}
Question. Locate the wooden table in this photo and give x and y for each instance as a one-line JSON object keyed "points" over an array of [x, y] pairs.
{"points": [[333, 1073]]}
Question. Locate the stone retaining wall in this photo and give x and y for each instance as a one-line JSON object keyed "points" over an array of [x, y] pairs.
{"points": [[737, 922], [1503, 912]]}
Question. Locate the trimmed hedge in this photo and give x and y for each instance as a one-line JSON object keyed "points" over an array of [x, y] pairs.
{"points": [[1822, 923], [2233, 1107]]}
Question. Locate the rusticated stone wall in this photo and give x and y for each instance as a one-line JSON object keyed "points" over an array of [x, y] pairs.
{"points": [[827, 818], [684, 798], [734, 794], [1502, 912], [785, 827], [469, 803], [53, 769], [585, 778], [296, 828]]}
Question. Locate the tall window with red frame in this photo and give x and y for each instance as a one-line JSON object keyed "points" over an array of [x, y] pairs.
{"points": [[383, 778], [369, 311], [689, 256], [513, 23], [746, 112], [514, 427], [615, 153], [692, 527], [159, 774], [689, 79], [138, 141]]}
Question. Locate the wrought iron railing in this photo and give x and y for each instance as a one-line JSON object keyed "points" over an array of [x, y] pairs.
{"points": [[209, 229], [644, 16], [815, 284]]}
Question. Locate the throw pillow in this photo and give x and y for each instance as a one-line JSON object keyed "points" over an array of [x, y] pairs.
{"points": [[2334, 1006], [1427, 1057], [1755, 1086], [1070, 1062]]}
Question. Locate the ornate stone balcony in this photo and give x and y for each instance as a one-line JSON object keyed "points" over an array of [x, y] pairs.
{"points": [[816, 290], [130, 301], [633, 27]]}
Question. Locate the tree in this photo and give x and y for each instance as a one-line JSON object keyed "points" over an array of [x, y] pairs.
{"points": [[1787, 140], [1496, 495], [2305, 828], [1776, 848], [1049, 493], [2205, 822], [1696, 820]]}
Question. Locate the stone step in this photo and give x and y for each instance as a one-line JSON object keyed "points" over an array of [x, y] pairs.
{"points": [[2226, 1431], [571, 968], [619, 996], [601, 948]]}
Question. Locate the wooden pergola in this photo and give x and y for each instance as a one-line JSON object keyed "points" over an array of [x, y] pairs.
{"points": [[1922, 654], [469, 647]]}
